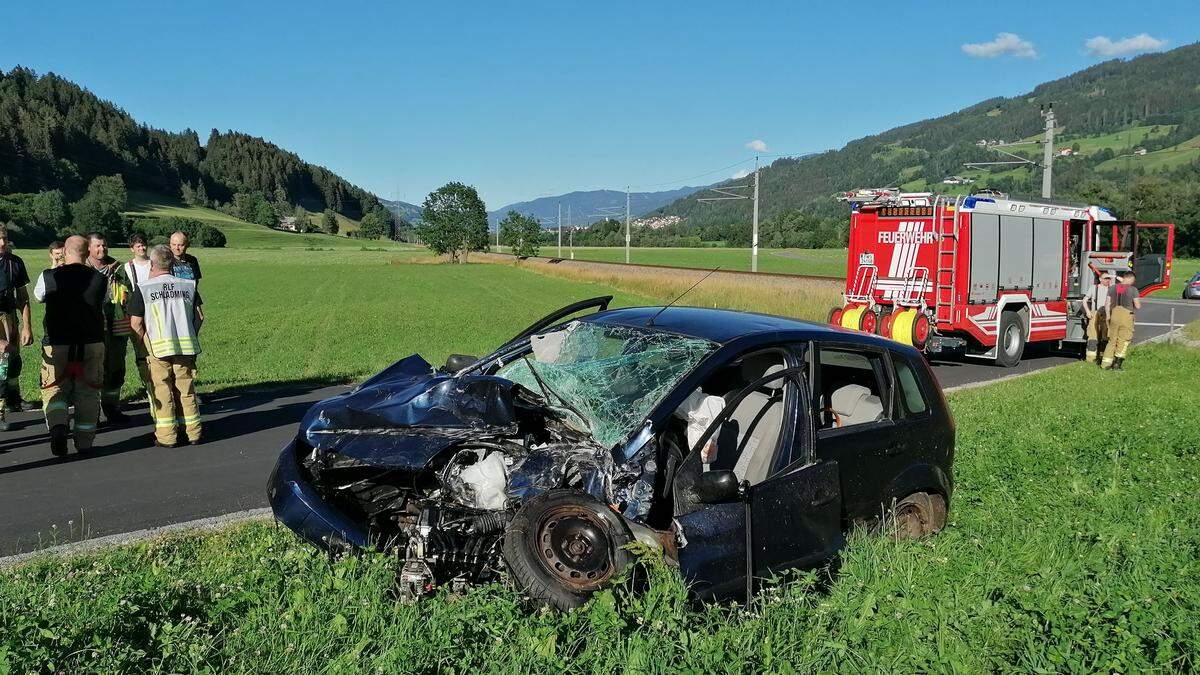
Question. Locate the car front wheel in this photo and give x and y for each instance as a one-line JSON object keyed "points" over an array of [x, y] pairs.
{"points": [[562, 546], [918, 515]]}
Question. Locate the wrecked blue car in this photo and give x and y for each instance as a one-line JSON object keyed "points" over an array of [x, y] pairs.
{"points": [[740, 445]]}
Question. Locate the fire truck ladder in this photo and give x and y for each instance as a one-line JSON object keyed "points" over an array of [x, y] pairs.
{"points": [[947, 258]]}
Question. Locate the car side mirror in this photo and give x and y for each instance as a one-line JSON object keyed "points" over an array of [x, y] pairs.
{"points": [[457, 362], [715, 487]]}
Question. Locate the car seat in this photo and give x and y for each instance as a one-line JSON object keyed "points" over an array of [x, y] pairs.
{"points": [[854, 404], [756, 423]]}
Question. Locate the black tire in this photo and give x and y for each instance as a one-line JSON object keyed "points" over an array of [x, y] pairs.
{"points": [[1010, 340], [564, 545], [918, 515]]}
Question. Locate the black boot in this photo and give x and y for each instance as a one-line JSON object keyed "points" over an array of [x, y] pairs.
{"points": [[58, 439], [113, 414], [1117, 363], [12, 400]]}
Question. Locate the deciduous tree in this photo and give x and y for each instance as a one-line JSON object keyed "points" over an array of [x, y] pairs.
{"points": [[522, 234], [454, 221]]}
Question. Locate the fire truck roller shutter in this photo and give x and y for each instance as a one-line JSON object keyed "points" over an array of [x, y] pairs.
{"points": [[1016, 253], [1047, 259], [985, 256]]}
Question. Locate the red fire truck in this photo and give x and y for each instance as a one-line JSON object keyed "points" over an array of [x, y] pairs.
{"points": [[984, 274]]}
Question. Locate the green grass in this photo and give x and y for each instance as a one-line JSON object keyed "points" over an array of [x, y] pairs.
{"points": [[300, 315], [241, 234], [1159, 160], [1073, 546], [820, 261], [1182, 270]]}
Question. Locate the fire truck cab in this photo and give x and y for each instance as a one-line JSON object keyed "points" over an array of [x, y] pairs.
{"points": [[984, 275]]}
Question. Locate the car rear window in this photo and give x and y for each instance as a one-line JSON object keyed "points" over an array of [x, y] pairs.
{"points": [[910, 391]]}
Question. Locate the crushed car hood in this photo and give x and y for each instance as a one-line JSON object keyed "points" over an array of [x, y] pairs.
{"points": [[408, 413]]}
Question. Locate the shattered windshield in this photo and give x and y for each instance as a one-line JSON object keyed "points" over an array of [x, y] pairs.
{"points": [[610, 377]]}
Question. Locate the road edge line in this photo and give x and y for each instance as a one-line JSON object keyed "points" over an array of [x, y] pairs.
{"points": [[211, 523]]}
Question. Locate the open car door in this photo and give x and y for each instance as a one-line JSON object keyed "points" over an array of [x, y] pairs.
{"points": [[1154, 246], [785, 518]]}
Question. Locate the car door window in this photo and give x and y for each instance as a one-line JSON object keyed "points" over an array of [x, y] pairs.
{"points": [[911, 398], [851, 388]]}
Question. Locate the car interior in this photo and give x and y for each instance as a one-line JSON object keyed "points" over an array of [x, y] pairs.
{"points": [[849, 390], [746, 442]]}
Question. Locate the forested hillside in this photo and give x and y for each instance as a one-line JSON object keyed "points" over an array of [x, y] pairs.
{"points": [[1159, 93], [55, 135]]}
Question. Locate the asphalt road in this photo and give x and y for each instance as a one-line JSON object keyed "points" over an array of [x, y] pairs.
{"points": [[128, 484]]}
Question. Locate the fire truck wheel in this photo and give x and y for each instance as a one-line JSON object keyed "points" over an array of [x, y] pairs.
{"points": [[835, 316], [868, 322], [1010, 341], [885, 322], [920, 331]]}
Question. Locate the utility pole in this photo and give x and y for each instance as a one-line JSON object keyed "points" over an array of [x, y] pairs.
{"points": [[727, 193], [627, 224], [570, 233], [560, 229], [754, 232], [1048, 153]]}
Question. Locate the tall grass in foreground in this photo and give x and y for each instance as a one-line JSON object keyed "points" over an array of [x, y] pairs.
{"points": [[801, 298], [1073, 545]]}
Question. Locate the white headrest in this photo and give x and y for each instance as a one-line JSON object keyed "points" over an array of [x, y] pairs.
{"points": [[846, 399], [774, 384]]}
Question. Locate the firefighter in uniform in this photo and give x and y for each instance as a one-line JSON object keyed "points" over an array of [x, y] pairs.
{"points": [[1123, 302], [165, 315], [15, 325], [116, 327], [1095, 305], [72, 347]]}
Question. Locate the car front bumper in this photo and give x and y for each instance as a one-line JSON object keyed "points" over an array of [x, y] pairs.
{"points": [[297, 505]]}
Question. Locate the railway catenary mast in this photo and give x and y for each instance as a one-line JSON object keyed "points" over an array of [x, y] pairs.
{"points": [[984, 274]]}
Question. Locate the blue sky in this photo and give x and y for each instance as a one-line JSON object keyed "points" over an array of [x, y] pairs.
{"points": [[528, 99]]}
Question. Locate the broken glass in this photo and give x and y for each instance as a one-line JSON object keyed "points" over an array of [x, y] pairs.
{"points": [[607, 377]]}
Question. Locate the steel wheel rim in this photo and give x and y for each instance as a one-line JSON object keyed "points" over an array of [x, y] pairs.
{"points": [[909, 522], [1012, 338], [573, 546]]}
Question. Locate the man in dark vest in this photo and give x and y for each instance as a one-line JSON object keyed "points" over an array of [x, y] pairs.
{"points": [[73, 347]]}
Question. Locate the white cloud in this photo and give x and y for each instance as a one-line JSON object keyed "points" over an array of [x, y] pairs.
{"points": [[740, 174], [1005, 43], [1106, 48], [757, 145]]}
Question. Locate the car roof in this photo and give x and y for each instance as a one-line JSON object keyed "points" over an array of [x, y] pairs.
{"points": [[724, 325]]}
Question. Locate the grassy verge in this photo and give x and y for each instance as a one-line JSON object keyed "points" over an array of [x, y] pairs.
{"points": [[1073, 546], [337, 315]]}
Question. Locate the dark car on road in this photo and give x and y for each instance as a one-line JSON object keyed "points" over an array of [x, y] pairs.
{"points": [[1191, 288], [740, 445]]}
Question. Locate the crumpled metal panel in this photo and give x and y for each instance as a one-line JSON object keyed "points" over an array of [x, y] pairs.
{"points": [[408, 413]]}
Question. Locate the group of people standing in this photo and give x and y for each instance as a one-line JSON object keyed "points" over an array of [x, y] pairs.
{"points": [[1110, 310], [95, 307]]}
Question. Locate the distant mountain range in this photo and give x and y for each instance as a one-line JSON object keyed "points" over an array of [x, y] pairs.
{"points": [[409, 212], [590, 206]]}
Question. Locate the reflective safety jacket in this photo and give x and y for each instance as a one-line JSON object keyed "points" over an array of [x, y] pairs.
{"points": [[169, 305]]}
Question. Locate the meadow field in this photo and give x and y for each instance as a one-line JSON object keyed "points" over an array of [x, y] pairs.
{"points": [[1072, 546], [816, 261], [291, 316]]}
